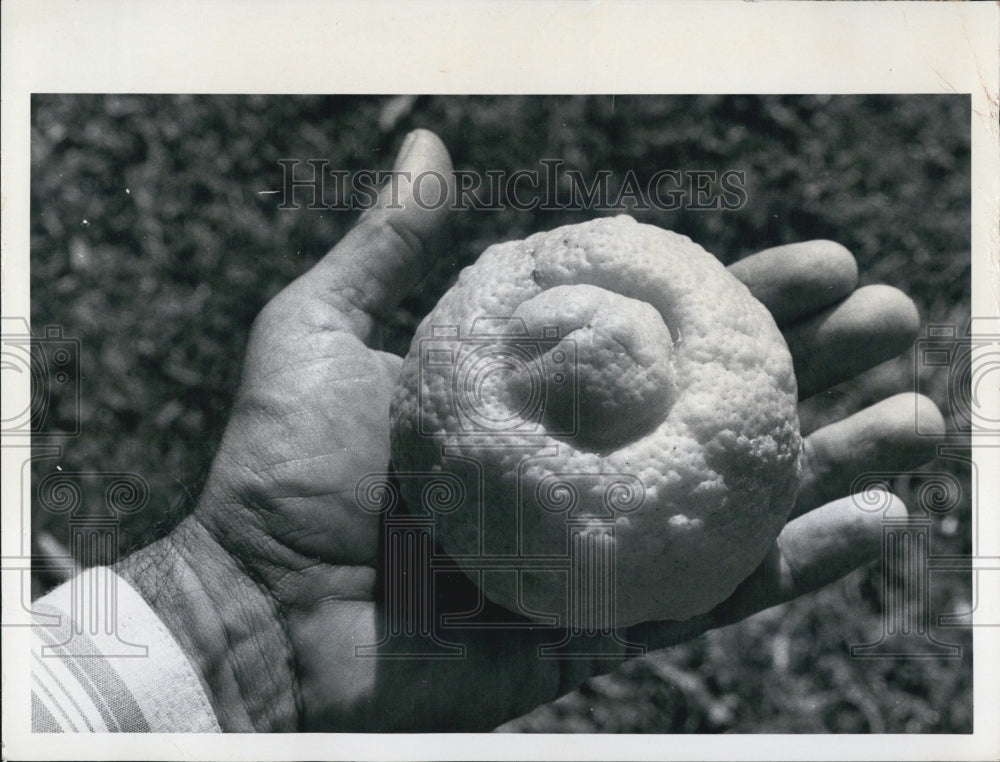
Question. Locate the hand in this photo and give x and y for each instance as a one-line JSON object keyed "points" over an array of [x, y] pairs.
{"points": [[273, 580]]}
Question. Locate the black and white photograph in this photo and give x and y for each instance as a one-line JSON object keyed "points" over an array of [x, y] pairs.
{"points": [[556, 415]]}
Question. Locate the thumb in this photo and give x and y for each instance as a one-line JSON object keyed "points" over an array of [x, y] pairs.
{"points": [[372, 268]]}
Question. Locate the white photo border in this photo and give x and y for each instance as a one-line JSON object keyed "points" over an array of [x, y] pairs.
{"points": [[306, 46]]}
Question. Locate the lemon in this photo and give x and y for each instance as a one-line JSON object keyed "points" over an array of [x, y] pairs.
{"points": [[621, 415]]}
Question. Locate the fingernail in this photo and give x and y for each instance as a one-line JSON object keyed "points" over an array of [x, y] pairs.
{"points": [[405, 150]]}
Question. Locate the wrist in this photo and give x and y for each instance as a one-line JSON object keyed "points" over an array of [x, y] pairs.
{"points": [[227, 626]]}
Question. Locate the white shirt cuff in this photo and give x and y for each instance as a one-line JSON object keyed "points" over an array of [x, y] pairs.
{"points": [[102, 661]]}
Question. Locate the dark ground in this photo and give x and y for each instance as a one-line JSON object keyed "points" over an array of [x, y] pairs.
{"points": [[152, 244]]}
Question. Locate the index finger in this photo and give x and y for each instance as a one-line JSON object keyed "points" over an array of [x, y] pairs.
{"points": [[800, 279]]}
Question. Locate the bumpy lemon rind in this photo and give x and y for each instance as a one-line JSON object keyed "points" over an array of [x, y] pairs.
{"points": [[719, 473]]}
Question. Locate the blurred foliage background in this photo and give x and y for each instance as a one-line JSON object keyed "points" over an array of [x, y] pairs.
{"points": [[156, 237]]}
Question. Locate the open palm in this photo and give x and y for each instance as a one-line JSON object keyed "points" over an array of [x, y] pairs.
{"points": [[312, 420]]}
